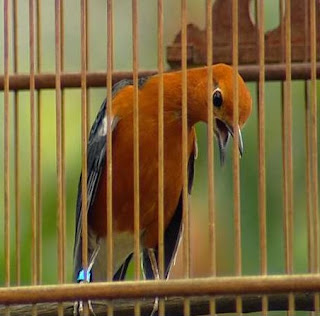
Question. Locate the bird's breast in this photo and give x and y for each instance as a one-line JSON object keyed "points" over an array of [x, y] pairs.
{"points": [[123, 180]]}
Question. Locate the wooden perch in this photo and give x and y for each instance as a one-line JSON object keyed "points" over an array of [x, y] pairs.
{"points": [[174, 306]]}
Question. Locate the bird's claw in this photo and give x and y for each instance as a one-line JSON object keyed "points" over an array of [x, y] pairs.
{"points": [[79, 308], [155, 306]]}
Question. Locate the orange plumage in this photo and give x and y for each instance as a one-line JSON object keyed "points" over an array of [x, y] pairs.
{"points": [[122, 109]]}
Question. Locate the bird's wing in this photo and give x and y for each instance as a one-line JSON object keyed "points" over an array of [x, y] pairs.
{"points": [[95, 164], [172, 234], [96, 160]]}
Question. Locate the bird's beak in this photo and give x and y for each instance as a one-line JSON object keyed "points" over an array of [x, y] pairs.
{"points": [[223, 131]]}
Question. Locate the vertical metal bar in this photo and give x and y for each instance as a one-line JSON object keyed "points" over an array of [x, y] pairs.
{"points": [[87, 62], [314, 141], [160, 152], [160, 142], [287, 119], [212, 233], [39, 139], [210, 140], [59, 146], [283, 129], [307, 140], [136, 165], [308, 179], [262, 164], [63, 148], [314, 144], [261, 131], [6, 150], [109, 146], [185, 198], [288, 126], [136, 138], [236, 167], [109, 139], [285, 155], [59, 138], [84, 142], [33, 170], [16, 148]]}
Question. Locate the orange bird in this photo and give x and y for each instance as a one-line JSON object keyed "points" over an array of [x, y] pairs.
{"points": [[122, 159]]}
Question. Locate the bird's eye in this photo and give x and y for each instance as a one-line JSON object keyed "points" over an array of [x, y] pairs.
{"points": [[217, 98]]}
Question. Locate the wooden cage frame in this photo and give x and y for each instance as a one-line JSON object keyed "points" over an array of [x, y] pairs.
{"points": [[290, 52]]}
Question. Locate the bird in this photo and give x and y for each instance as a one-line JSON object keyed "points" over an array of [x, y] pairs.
{"points": [[123, 169]]}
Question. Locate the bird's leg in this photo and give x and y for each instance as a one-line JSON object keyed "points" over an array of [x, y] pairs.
{"points": [[79, 307], [154, 266]]}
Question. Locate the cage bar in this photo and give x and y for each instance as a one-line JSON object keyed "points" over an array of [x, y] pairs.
{"points": [[84, 141], [262, 150], [59, 140], [63, 146], [162, 288], [38, 145], [276, 72], [109, 140], [16, 148], [185, 198], [161, 251], [33, 171], [210, 142], [136, 141], [314, 127], [236, 166], [6, 146]]}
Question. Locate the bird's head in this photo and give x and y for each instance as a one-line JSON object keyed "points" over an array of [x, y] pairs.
{"points": [[223, 106], [222, 103]]}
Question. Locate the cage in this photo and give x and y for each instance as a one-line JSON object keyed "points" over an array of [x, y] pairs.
{"points": [[250, 241]]}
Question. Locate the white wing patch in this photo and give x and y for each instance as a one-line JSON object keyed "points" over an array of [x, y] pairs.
{"points": [[104, 126]]}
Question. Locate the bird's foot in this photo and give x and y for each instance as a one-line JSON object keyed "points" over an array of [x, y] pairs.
{"points": [[155, 306], [80, 308], [83, 308]]}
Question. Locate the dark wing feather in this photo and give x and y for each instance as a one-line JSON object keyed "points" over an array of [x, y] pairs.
{"points": [[172, 234]]}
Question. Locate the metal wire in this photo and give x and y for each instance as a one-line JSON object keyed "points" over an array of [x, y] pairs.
{"points": [[16, 148], [38, 151], [210, 139], [60, 187], [63, 148], [288, 144], [314, 141], [59, 140], [109, 243], [307, 146], [109, 140], [136, 166], [262, 166], [33, 170], [314, 145], [84, 142], [136, 156], [236, 167], [185, 198], [160, 153], [6, 147]]}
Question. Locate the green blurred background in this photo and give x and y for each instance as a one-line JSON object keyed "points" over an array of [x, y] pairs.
{"points": [[199, 202]]}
